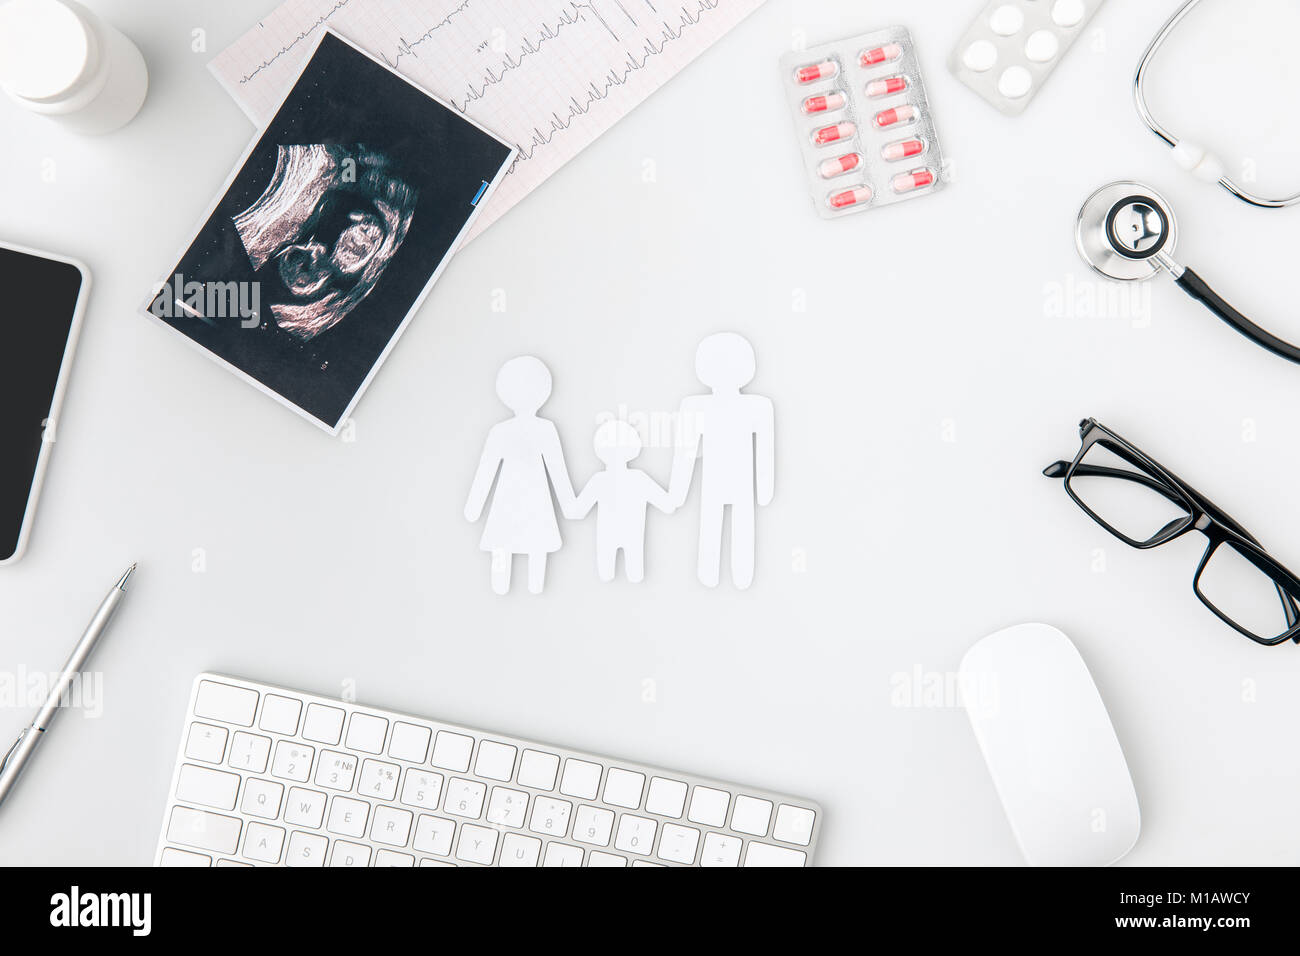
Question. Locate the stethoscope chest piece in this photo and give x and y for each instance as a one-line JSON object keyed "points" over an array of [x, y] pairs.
{"points": [[1126, 231]]}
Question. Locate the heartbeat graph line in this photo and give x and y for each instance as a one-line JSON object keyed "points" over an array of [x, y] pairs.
{"points": [[549, 76], [292, 42], [596, 91]]}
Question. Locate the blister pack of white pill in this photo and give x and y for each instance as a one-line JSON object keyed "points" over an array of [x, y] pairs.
{"points": [[864, 124], [1014, 45]]}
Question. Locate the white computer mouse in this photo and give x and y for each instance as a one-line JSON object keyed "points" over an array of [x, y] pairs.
{"points": [[1050, 747]]}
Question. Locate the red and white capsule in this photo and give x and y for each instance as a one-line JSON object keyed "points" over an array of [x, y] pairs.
{"points": [[902, 149], [816, 71], [896, 116], [849, 197], [916, 179], [887, 86], [830, 168], [880, 54], [824, 103], [833, 133]]}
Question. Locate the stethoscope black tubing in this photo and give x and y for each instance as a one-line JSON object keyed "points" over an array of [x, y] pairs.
{"points": [[1197, 288]]}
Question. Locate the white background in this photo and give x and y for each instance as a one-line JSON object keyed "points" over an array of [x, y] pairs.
{"points": [[930, 376]]}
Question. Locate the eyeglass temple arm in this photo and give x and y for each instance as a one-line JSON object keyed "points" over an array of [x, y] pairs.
{"points": [[1059, 469]]}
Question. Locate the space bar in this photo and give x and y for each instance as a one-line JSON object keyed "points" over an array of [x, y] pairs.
{"points": [[207, 831]]}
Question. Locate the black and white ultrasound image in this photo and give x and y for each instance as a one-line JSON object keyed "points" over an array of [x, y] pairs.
{"points": [[330, 231]]}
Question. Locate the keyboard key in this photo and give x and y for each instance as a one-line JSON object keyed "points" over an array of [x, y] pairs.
{"points": [[323, 724], [581, 779], [174, 857], [623, 788], [306, 808], [366, 733], [678, 844], [249, 752], [285, 778], [262, 798], [666, 798], [561, 854], [422, 788], [496, 761], [751, 815], [378, 779], [263, 843], [349, 854], [348, 817], [392, 826], [433, 835], [519, 850], [451, 751], [720, 850], [207, 788], [538, 770], [280, 715], [464, 798], [292, 761], [507, 807], [206, 742], [476, 844], [409, 742], [205, 831], [230, 705], [306, 849], [764, 854], [793, 824], [336, 770], [593, 825], [709, 806], [635, 834], [550, 816]]}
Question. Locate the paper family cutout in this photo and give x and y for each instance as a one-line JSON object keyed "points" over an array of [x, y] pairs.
{"points": [[733, 432]]}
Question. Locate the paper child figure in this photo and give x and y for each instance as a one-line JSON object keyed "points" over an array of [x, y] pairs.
{"points": [[737, 432], [526, 451], [620, 495]]}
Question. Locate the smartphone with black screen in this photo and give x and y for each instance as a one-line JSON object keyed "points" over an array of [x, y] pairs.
{"points": [[42, 297]]}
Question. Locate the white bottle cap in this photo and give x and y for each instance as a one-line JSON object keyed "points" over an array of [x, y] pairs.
{"points": [[46, 50]]}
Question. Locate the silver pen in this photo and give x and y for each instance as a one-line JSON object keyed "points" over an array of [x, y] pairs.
{"points": [[20, 753]]}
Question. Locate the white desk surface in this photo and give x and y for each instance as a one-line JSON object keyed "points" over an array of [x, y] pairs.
{"points": [[925, 383]]}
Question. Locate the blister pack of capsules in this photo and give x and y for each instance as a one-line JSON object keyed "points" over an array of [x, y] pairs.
{"points": [[1013, 46], [864, 125]]}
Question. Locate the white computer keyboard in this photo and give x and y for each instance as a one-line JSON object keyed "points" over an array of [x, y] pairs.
{"points": [[272, 776]]}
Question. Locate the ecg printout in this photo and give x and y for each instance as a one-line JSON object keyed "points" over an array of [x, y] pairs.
{"points": [[547, 75]]}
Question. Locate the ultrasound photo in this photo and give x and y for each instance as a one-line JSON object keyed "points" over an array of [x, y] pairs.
{"points": [[330, 232]]}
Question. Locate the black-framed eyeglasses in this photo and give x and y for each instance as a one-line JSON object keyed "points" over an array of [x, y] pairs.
{"points": [[1145, 505]]}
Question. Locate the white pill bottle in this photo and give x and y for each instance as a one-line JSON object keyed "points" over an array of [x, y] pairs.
{"points": [[59, 60]]}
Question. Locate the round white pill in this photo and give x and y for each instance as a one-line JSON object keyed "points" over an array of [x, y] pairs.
{"points": [[1014, 82], [1067, 13], [1042, 45], [1006, 20], [980, 56]]}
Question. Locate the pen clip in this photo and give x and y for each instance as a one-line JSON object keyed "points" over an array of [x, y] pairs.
{"points": [[4, 763]]}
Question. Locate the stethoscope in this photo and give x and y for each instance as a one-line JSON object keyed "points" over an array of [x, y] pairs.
{"points": [[1127, 231], [1187, 154]]}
